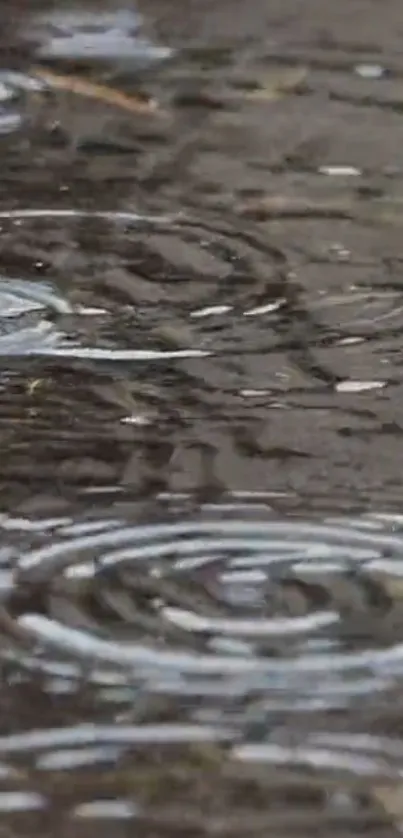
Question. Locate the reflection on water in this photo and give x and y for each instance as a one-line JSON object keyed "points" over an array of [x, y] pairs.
{"points": [[94, 36], [200, 415]]}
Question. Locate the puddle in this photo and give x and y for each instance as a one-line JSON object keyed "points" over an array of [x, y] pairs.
{"points": [[200, 417]]}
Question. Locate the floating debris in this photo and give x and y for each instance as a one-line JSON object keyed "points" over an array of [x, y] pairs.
{"points": [[116, 809], [82, 87], [350, 386], [265, 309], [282, 206], [211, 310], [279, 83], [340, 171], [369, 71]]}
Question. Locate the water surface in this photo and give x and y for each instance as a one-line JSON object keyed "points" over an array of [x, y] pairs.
{"points": [[200, 419]]}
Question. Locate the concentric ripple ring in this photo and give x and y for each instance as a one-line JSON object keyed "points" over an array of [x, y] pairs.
{"points": [[271, 545]]}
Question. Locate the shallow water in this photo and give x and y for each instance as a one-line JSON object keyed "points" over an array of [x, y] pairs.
{"points": [[201, 553]]}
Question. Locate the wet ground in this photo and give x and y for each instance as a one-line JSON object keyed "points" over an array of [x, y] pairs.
{"points": [[201, 311]]}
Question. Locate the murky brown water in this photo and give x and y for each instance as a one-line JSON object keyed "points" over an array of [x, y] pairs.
{"points": [[201, 312]]}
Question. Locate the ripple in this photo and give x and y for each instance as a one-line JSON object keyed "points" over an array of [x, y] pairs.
{"points": [[250, 604], [247, 628], [176, 660], [213, 647], [292, 540], [145, 659], [123, 323], [123, 734], [42, 338], [19, 296], [94, 353], [319, 758], [120, 217], [69, 759]]}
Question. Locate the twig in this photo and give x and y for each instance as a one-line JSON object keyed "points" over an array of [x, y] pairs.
{"points": [[83, 87]]}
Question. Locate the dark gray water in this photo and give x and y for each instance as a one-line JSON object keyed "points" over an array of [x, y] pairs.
{"points": [[201, 309]]}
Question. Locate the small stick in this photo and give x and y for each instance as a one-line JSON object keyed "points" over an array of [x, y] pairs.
{"points": [[82, 87]]}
